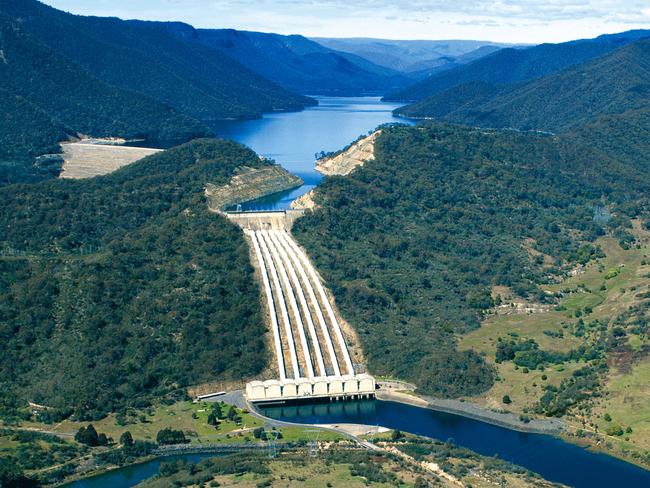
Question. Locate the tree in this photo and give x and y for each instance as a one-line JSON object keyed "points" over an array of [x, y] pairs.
{"points": [[506, 399], [257, 433], [212, 419], [232, 413], [216, 409], [126, 439], [396, 435], [171, 436], [88, 436]]}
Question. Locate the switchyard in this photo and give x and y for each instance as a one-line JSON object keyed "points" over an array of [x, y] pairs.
{"points": [[311, 353]]}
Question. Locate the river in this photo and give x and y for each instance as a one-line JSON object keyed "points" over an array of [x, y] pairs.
{"points": [[293, 139]]}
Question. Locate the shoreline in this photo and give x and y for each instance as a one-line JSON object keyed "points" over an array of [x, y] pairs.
{"points": [[476, 412]]}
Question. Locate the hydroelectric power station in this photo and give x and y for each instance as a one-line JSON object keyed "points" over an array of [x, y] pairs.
{"points": [[310, 348]]}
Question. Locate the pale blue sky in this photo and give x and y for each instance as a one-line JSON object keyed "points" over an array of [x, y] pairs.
{"points": [[527, 21]]}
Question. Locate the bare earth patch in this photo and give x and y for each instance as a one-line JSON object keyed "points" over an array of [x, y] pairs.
{"points": [[86, 159]]}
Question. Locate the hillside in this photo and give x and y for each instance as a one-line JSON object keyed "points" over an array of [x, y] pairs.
{"points": [[416, 58], [413, 242], [510, 65], [612, 84], [125, 286], [303, 66], [45, 99], [147, 58]]}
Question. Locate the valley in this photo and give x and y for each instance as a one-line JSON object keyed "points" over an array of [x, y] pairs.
{"points": [[333, 261]]}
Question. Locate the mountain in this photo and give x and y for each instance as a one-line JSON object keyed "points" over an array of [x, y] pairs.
{"points": [[417, 58], [145, 57], [125, 286], [510, 65], [612, 84], [45, 99], [301, 65], [414, 242]]}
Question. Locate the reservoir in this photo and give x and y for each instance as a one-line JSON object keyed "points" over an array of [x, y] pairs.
{"points": [[294, 139], [551, 457]]}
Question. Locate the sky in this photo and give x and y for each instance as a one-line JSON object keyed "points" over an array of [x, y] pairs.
{"points": [[513, 21]]}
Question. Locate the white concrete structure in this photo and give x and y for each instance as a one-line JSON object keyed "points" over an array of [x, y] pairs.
{"points": [[332, 387], [303, 324], [255, 391]]}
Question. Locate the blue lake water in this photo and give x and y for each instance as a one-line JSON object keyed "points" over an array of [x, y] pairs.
{"points": [[546, 455], [293, 139], [132, 475]]}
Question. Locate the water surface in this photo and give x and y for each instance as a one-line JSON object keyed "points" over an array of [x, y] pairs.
{"points": [[549, 456], [294, 139]]}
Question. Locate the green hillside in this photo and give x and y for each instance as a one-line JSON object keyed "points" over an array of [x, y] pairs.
{"points": [[413, 242], [518, 65], [609, 85], [45, 98], [147, 58], [125, 286]]}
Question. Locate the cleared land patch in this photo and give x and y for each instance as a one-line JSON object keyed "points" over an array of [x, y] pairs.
{"points": [[85, 160]]}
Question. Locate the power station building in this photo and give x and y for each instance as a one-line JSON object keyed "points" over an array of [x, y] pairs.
{"points": [[332, 387]]}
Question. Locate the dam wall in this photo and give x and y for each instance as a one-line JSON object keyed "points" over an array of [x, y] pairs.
{"points": [[265, 220]]}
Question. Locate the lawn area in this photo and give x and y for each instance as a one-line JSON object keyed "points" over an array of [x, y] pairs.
{"points": [[179, 416]]}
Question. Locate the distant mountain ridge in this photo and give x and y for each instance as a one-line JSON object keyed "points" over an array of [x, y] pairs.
{"points": [[613, 84], [509, 65], [417, 58], [302, 65], [147, 58]]}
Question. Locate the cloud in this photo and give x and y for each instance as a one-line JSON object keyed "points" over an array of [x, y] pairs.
{"points": [[498, 20]]}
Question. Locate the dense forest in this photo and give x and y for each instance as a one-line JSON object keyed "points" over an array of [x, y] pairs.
{"points": [[45, 99], [614, 83], [412, 243], [125, 286], [302, 65], [518, 65], [147, 58]]}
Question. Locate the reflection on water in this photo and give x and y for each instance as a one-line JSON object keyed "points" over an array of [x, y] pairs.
{"points": [[361, 411]]}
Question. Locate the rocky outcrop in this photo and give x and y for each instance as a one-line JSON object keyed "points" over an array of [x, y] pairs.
{"points": [[346, 161], [304, 202], [249, 184]]}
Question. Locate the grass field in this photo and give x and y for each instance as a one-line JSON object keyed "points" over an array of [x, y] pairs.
{"points": [[602, 290]]}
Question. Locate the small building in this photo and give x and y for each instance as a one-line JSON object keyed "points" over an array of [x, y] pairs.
{"points": [[255, 391], [304, 387], [350, 385], [273, 389], [289, 389], [335, 386], [366, 384], [320, 386]]}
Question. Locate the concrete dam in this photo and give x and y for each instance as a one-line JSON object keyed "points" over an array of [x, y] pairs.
{"points": [[312, 357]]}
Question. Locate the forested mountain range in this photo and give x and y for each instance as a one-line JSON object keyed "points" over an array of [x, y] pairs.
{"points": [[302, 65], [612, 84], [510, 65], [412, 243], [145, 57], [125, 286], [45, 99], [415, 58]]}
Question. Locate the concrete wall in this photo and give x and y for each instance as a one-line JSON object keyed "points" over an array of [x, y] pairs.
{"points": [[265, 220], [319, 387]]}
